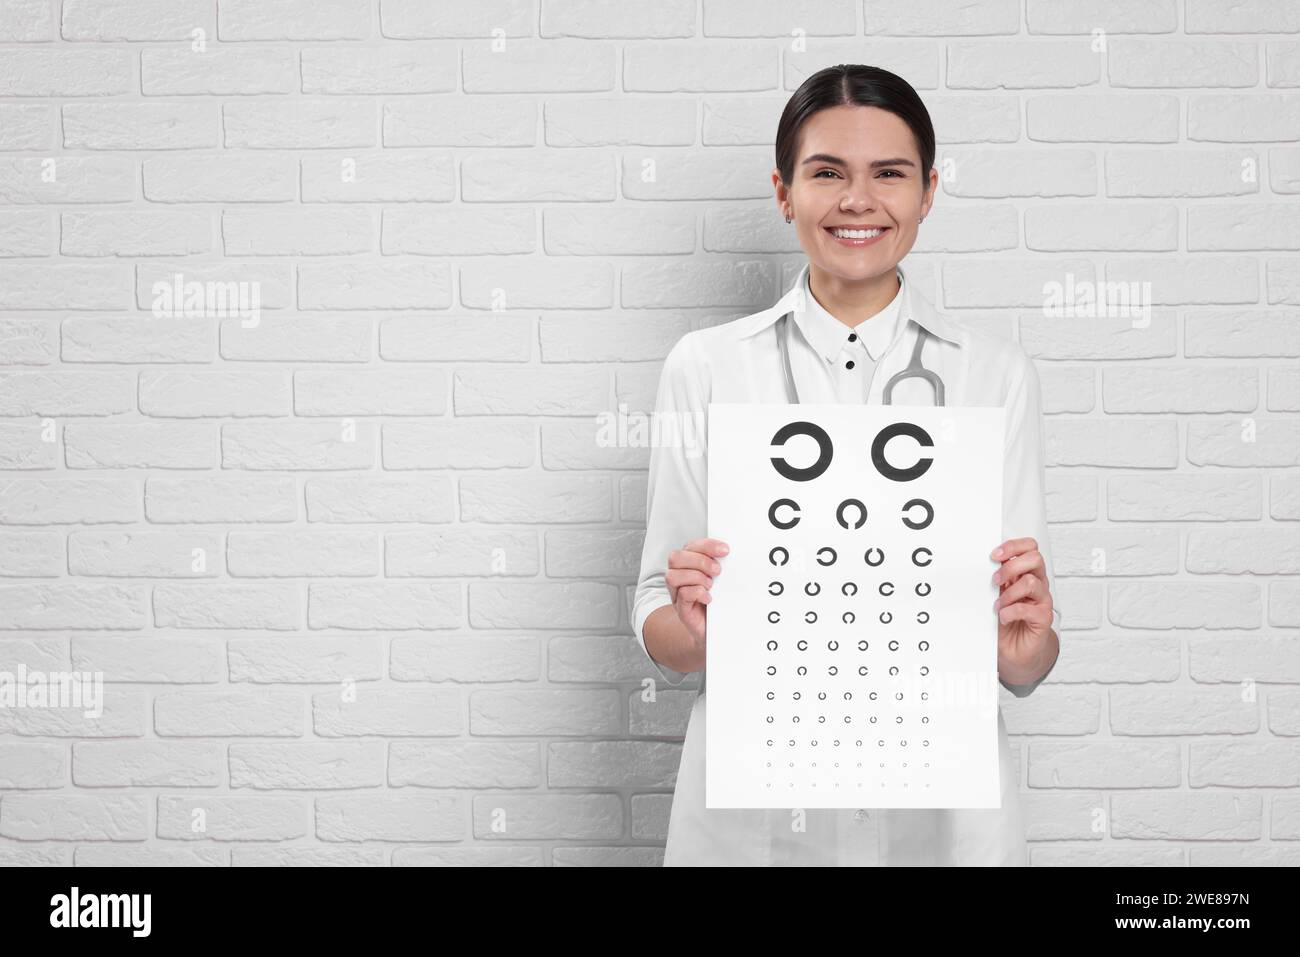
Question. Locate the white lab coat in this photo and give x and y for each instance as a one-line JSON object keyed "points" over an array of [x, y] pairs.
{"points": [[738, 361]]}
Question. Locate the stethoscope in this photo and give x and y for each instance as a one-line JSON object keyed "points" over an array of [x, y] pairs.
{"points": [[914, 368]]}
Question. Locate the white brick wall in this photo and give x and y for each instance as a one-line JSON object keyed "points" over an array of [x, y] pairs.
{"points": [[357, 573]]}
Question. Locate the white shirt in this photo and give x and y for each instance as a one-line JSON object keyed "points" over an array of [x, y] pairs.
{"points": [[852, 353], [739, 361]]}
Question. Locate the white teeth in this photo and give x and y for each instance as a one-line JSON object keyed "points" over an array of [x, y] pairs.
{"points": [[857, 233]]}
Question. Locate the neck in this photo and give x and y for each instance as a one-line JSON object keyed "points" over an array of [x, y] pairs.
{"points": [[853, 302]]}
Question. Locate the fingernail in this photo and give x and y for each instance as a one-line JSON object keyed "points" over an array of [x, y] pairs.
{"points": [[997, 552], [723, 549]]}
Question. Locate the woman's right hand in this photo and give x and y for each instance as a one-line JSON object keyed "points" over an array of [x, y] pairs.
{"points": [[691, 570]]}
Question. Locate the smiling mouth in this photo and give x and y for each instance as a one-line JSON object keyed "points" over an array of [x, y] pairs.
{"points": [[856, 236]]}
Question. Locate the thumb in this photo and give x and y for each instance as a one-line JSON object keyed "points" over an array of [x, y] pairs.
{"points": [[694, 616]]}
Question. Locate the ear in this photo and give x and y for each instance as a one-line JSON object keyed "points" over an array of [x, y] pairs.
{"points": [[781, 191], [931, 188]]}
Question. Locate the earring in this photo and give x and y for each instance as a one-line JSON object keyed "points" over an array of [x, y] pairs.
{"points": [[921, 220], [788, 218]]}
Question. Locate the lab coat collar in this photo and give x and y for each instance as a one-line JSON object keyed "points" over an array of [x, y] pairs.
{"points": [[829, 336], [915, 307]]}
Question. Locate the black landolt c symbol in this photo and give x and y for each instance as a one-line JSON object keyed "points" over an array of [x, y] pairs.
{"points": [[894, 431], [824, 451]]}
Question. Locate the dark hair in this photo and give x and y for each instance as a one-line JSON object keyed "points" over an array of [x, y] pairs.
{"points": [[853, 84]]}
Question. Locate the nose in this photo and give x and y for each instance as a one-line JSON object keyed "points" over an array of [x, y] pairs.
{"points": [[862, 202]]}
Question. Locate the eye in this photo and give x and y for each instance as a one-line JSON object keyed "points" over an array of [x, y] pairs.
{"points": [[827, 170], [894, 171]]}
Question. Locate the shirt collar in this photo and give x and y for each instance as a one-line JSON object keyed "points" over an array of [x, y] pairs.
{"points": [[830, 336], [913, 307]]}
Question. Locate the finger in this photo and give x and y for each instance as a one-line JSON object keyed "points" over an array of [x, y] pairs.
{"points": [[681, 577], [1012, 547], [1030, 612], [697, 593], [686, 558], [1026, 588], [1013, 568], [710, 546]]}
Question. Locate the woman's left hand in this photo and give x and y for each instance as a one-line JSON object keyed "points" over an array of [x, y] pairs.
{"points": [[1026, 643]]}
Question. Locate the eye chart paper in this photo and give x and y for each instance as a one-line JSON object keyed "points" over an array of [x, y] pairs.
{"points": [[852, 642]]}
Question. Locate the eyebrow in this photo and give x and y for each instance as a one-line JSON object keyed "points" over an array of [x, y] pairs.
{"points": [[875, 164]]}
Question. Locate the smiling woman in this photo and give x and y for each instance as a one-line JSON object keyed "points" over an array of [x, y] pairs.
{"points": [[855, 174]]}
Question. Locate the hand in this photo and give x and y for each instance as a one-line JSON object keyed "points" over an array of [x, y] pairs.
{"points": [[1024, 610], [691, 570]]}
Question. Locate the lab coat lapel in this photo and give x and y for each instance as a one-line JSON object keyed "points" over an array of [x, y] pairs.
{"points": [[921, 310], [942, 354]]}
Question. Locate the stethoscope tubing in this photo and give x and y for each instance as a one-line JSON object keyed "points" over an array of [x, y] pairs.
{"points": [[913, 369]]}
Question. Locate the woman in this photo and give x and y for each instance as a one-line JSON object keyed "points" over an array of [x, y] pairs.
{"points": [[854, 175]]}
